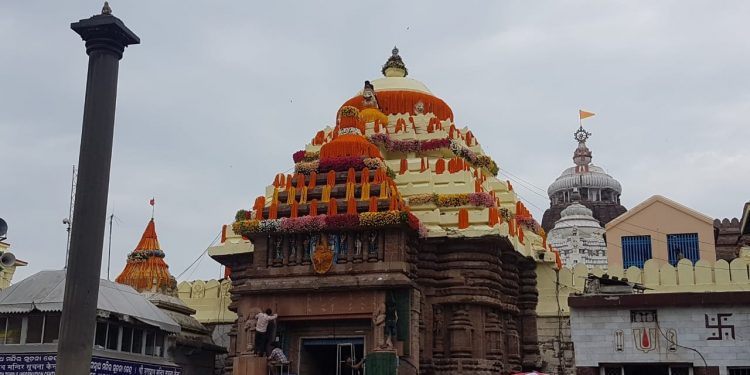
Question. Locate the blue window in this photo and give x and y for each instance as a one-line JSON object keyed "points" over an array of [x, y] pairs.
{"points": [[684, 245], [636, 250]]}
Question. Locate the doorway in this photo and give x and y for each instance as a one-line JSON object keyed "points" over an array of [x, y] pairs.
{"points": [[646, 370], [328, 356]]}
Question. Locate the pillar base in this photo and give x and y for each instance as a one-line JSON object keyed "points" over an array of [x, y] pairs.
{"points": [[382, 363], [250, 365]]}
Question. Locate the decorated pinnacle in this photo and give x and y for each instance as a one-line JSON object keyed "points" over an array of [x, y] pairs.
{"points": [[581, 135], [395, 66], [106, 10]]}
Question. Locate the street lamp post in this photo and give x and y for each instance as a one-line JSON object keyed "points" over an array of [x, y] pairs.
{"points": [[106, 38]]}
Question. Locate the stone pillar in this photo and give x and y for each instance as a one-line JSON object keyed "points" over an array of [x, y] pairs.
{"points": [[438, 331], [493, 336], [460, 332], [527, 301], [106, 38]]}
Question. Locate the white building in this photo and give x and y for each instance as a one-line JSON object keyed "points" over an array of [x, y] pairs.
{"points": [[661, 334], [579, 237]]}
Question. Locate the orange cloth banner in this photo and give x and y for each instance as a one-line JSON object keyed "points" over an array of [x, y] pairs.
{"points": [[463, 218], [583, 114]]}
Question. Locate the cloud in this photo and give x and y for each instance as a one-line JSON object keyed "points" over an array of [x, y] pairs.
{"points": [[215, 100]]}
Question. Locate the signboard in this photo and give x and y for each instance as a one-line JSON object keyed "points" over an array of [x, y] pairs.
{"points": [[44, 364]]}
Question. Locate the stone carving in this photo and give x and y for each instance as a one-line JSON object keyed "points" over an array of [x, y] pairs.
{"points": [[344, 245], [199, 291], [278, 253], [460, 329], [357, 249], [248, 327], [438, 330], [391, 323], [372, 245], [378, 324], [292, 250]]}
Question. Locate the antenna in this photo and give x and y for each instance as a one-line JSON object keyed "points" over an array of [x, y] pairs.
{"points": [[68, 221], [109, 246]]}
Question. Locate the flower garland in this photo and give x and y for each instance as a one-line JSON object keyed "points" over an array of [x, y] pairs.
{"points": [[142, 256], [306, 167], [341, 165], [412, 145], [477, 161], [453, 200], [303, 155], [306, 224]]}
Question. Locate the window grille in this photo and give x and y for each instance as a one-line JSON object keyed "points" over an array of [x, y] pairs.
{"points": [[739, 371], [684, 245], [636, 250]]}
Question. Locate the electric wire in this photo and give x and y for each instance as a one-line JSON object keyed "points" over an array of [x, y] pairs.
{"points": [[199, 256]]}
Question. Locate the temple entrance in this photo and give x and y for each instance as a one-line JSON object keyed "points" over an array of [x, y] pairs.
{"points": [[646, 369], [328, 356]]}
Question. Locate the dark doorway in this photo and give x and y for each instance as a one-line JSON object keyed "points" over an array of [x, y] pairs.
{"points": [[646, 370], [327, 356]]}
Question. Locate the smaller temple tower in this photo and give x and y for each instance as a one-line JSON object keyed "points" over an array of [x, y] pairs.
{"points": [[597, 190], [148, 273], [579, 237], [145, 269]]}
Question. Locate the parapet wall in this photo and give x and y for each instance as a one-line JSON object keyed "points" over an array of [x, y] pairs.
{"points": [[210, 299], [659, 277]]}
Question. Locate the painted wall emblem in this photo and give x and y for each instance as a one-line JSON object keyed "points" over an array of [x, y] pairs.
{"points": [[322, 258], [723, 330], [619, 340], [646, 339]]}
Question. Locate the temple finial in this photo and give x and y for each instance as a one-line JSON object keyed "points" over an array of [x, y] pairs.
{"points": [[106, 10], [395, 66]]}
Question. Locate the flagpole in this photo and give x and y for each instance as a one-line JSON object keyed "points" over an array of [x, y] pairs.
{"points": [[153, 205]]}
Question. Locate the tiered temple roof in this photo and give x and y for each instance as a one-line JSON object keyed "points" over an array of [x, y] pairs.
{"points": [[145, 269], [394, 156]]}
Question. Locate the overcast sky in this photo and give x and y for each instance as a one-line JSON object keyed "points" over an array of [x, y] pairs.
{"points": [[219, 95]]}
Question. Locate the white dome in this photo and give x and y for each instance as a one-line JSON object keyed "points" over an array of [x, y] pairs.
{"points": [[576, 215], [398, 84], [594, 178]]}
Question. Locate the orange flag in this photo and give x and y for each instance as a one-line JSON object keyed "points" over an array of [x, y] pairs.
{"points": [[583, 114]]}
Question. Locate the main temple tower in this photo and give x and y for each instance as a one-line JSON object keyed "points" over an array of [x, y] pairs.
{"points": [[393, 238], [597, 190]]}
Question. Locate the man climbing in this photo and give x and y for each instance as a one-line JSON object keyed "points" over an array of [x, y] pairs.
{"points": [[261, 331]]}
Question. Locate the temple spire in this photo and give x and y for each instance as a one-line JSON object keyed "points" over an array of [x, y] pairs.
{"points": [[582, 154], [146, 270]]}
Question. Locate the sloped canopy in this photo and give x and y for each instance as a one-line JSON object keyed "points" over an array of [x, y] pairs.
{"points": [[44, 291]]}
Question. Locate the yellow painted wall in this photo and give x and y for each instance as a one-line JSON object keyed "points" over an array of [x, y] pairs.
{"points": [[210, 299], [660, 277], [657, 219]]}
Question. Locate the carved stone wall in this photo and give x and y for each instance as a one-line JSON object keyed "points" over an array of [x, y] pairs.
{"points": [[480, 298]]}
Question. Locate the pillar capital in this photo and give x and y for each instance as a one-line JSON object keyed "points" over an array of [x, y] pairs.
{"points": [[105, 33]]}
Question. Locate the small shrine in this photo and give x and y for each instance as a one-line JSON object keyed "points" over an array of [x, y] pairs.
{"points": [[148, 273], [393, 237]]}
